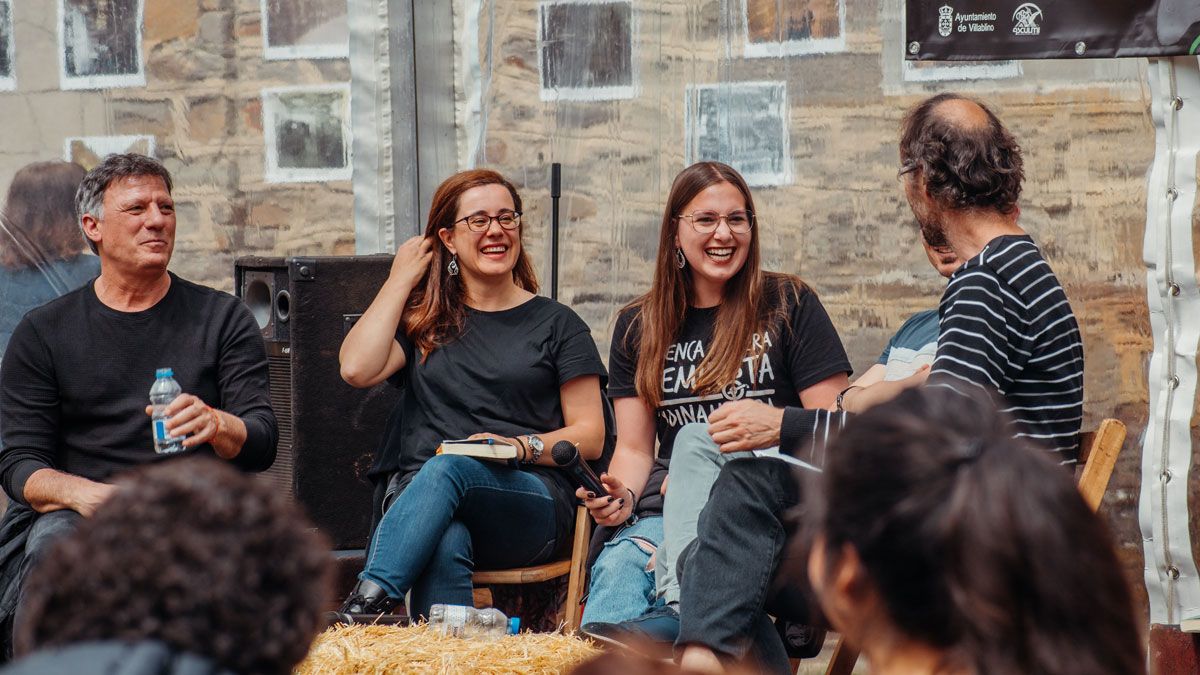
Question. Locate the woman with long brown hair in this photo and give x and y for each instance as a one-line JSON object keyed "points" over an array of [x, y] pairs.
{"points": [[714, 328], [41, 247], [458, 327]]}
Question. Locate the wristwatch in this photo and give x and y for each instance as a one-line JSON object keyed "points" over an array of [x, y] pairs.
{"points": [[535, 448]]}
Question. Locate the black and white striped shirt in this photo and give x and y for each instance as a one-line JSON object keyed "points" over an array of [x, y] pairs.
{"points": [[1006, 325]]}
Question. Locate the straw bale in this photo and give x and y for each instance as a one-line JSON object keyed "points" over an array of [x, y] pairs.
{"points": [[343, 650]]}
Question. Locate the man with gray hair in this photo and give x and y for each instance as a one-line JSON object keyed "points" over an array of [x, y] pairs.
{"points": [[75, 381]]}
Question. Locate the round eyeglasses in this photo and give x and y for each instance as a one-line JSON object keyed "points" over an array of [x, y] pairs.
{"points": [[706, 222], [480, 222]]}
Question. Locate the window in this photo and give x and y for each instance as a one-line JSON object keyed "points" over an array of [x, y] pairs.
{"points": [[791, 27], [307, 133], [87, 151], [745, 125], [8, 72], [585, 50], [305, 29], [100, 43]]}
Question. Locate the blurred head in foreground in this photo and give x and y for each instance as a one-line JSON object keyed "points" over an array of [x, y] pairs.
{"points": [[194, 554], [942, 539]]}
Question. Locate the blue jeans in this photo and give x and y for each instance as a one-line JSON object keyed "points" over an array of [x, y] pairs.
{"points": [[45, 531], [696, 461], [622, 587], [729, 572], [458, 512]]}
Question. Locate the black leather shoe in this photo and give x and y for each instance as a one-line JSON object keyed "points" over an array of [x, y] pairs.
{"points": [[368, 604], [651, 635], [800, 641]]}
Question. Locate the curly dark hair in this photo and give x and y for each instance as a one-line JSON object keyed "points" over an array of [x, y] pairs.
{"points": [[965, 166], [194, 554]]}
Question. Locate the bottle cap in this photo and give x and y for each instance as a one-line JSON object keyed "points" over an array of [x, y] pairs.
{"points": [[514, 625], [164, 372]]}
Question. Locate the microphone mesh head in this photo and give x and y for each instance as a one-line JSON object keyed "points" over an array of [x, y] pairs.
{"points": [[563, 452]]}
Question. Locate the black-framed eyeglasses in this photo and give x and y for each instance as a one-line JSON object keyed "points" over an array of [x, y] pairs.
{"points": [[480, 222], [706, 222], [906, 168]]}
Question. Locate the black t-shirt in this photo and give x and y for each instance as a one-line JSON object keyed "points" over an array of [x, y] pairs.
{"points": [[76, 380], [502, 375], [786, 358]]}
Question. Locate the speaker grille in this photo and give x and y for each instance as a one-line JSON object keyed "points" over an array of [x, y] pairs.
{"points": [[280, 474]]}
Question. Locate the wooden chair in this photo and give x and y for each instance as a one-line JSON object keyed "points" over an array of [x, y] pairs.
{"points": [[1098, 452], [572, 568]]}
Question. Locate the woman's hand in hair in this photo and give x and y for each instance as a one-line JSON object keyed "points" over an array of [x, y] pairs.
{"points": [[412, 261], [611, 509], [743, 425]]}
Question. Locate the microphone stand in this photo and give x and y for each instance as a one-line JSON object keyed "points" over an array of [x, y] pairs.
{"points": [[555, 193]]}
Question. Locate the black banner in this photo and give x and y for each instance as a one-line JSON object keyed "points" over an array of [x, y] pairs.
{"points": [[982, 30]]}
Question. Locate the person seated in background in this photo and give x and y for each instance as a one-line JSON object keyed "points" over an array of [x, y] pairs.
{"points": [[945, 545], [75, 381], [1005, 325], [713, 327], [41, 247], [173, 574], [458, 327], [914, 345]]}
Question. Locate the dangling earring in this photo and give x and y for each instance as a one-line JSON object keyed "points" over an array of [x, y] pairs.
{"points": [[452, 266], [680, 261]]}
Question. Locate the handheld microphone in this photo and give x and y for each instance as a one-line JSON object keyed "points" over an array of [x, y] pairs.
{"points": [[566, 456]]}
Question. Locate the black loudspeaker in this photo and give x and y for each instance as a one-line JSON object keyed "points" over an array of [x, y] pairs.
{"points": [[328, 430]]}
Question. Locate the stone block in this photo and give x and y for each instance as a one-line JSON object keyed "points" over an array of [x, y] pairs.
{"points": [[187, 214], [251, 114], [269, 213], [248, 27], [179, 66], [142, 116], [216, 28], [221, 211], [209, 118], [200, 174], [167, 20]]}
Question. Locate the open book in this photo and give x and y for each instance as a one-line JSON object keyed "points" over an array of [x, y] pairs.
{"points": [[480, 447]]}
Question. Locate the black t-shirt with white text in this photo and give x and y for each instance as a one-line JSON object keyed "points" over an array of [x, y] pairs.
{"points": [[501, 375], [782, 360]]}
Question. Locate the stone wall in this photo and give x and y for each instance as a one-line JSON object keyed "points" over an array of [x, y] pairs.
{"points": [[205, 72]]}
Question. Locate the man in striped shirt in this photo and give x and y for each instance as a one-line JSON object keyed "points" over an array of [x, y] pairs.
{"points": [[1004, 325]]}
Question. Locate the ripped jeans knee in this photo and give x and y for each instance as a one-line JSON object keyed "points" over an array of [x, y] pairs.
{"points": [[622, 583]]}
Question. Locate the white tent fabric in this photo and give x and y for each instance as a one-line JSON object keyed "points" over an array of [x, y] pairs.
{"points": [[1171, 288]]}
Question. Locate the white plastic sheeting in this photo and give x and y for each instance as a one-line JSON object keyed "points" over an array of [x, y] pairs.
{"points": [[1171, 288], [371, 119]]}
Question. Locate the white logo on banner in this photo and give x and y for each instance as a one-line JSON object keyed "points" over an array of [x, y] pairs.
{"points": [[1026, 18], [945, 20]]}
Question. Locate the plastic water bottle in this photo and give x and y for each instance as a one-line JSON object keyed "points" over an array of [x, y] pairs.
{"points": [[471, 623], [164, 391]]}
